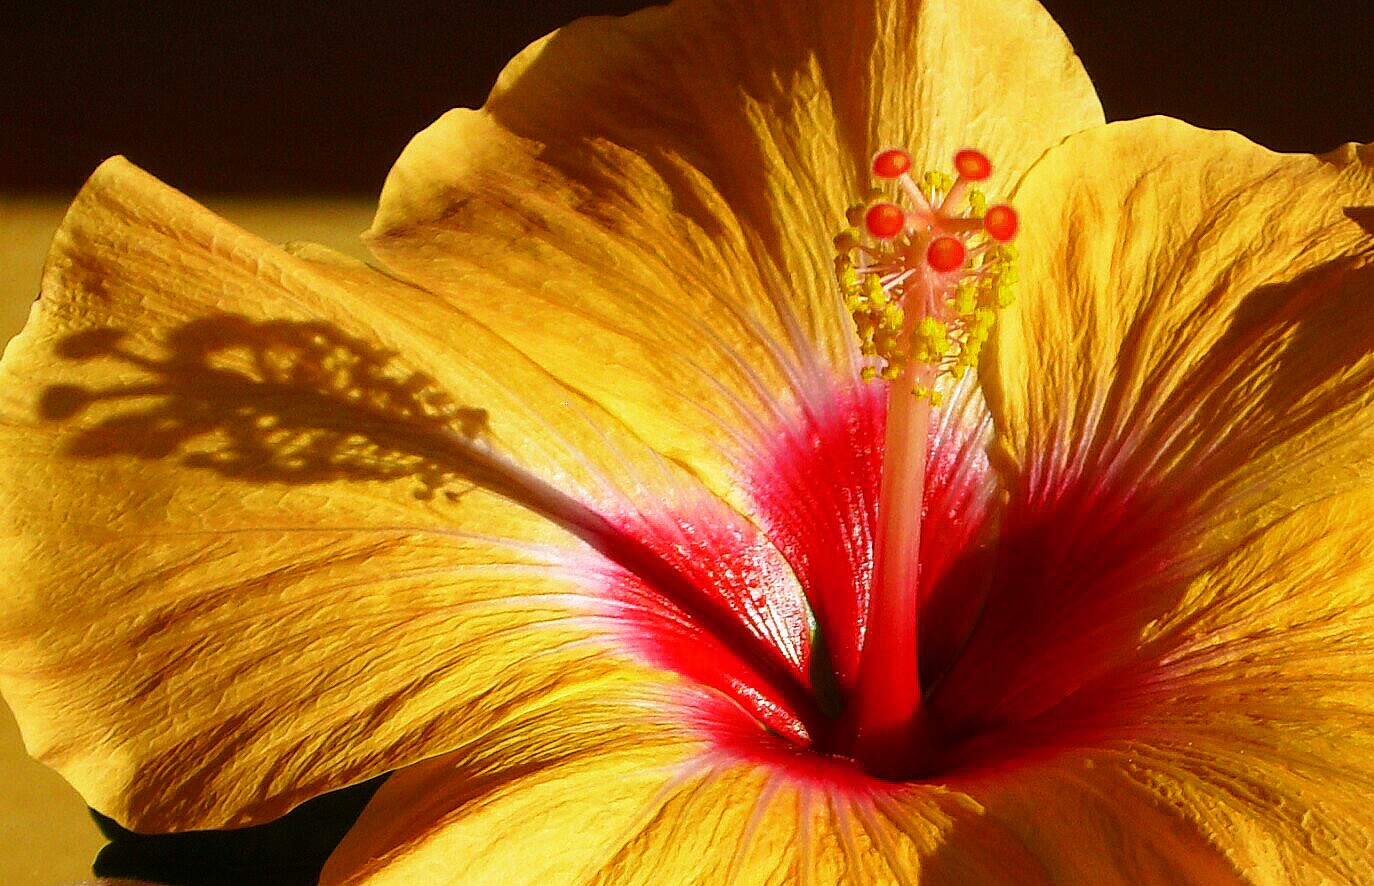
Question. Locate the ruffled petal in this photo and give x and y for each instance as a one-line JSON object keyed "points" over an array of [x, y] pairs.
{"points": [[267, 529], [1082, 817], [1260, 693], [1245, 718], [1191, 357], [546, 798], [1197, 309], [648, 202], [609, 796], [1186, 575]]}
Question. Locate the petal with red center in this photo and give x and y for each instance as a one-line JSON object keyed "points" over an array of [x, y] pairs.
{"points": [[276, 524], [702, 796], [1190, 358], [1258, 693], [816, 495], [547, 796], [676, 176], [1082, 818]]}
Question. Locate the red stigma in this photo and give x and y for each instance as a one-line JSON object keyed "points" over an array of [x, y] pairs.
{"points": [[891, 163], [945, 254], [972, 165], [1000, 222], [885, 220]]}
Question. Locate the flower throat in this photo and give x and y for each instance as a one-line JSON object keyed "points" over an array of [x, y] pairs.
{"points": [[923, 270]]}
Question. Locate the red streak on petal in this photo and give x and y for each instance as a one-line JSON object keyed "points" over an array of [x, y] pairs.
{"points": [[705, 595], [1082, 566], [736, 738], [957, 557], [818, 493]]}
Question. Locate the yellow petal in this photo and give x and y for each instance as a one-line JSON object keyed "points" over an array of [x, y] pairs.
{"points": [[1199, 316], [1190, 358], [544, 799], [607, 795], [1196, 312], [251, 551], [648, 203], [1082, 817], [1260, 692]]}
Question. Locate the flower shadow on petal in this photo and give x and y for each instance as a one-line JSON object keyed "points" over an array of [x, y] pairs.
{"points": [[276, 401], [303, 402]]}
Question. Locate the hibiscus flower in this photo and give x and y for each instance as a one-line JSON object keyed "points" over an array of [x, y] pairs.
{"points": [[654, 533]]}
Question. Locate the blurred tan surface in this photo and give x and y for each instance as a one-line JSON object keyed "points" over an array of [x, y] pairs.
{"points": [[46, 836]]}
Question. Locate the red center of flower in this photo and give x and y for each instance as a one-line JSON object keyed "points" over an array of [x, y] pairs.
{"points": [[1027, 611], [881, 604]]}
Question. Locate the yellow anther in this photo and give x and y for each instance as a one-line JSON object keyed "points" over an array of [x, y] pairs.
{"points": [[977, 203], [966, 297], [934, 180]]}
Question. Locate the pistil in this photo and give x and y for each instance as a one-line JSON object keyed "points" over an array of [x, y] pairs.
{"points": [[923, 282], [887, 723]]}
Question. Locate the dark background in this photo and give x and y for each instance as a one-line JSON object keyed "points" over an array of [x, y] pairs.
{"points": [[320, 97]]}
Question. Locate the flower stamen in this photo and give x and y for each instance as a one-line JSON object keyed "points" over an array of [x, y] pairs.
{"points": [[923, 274], [944, 257]]}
